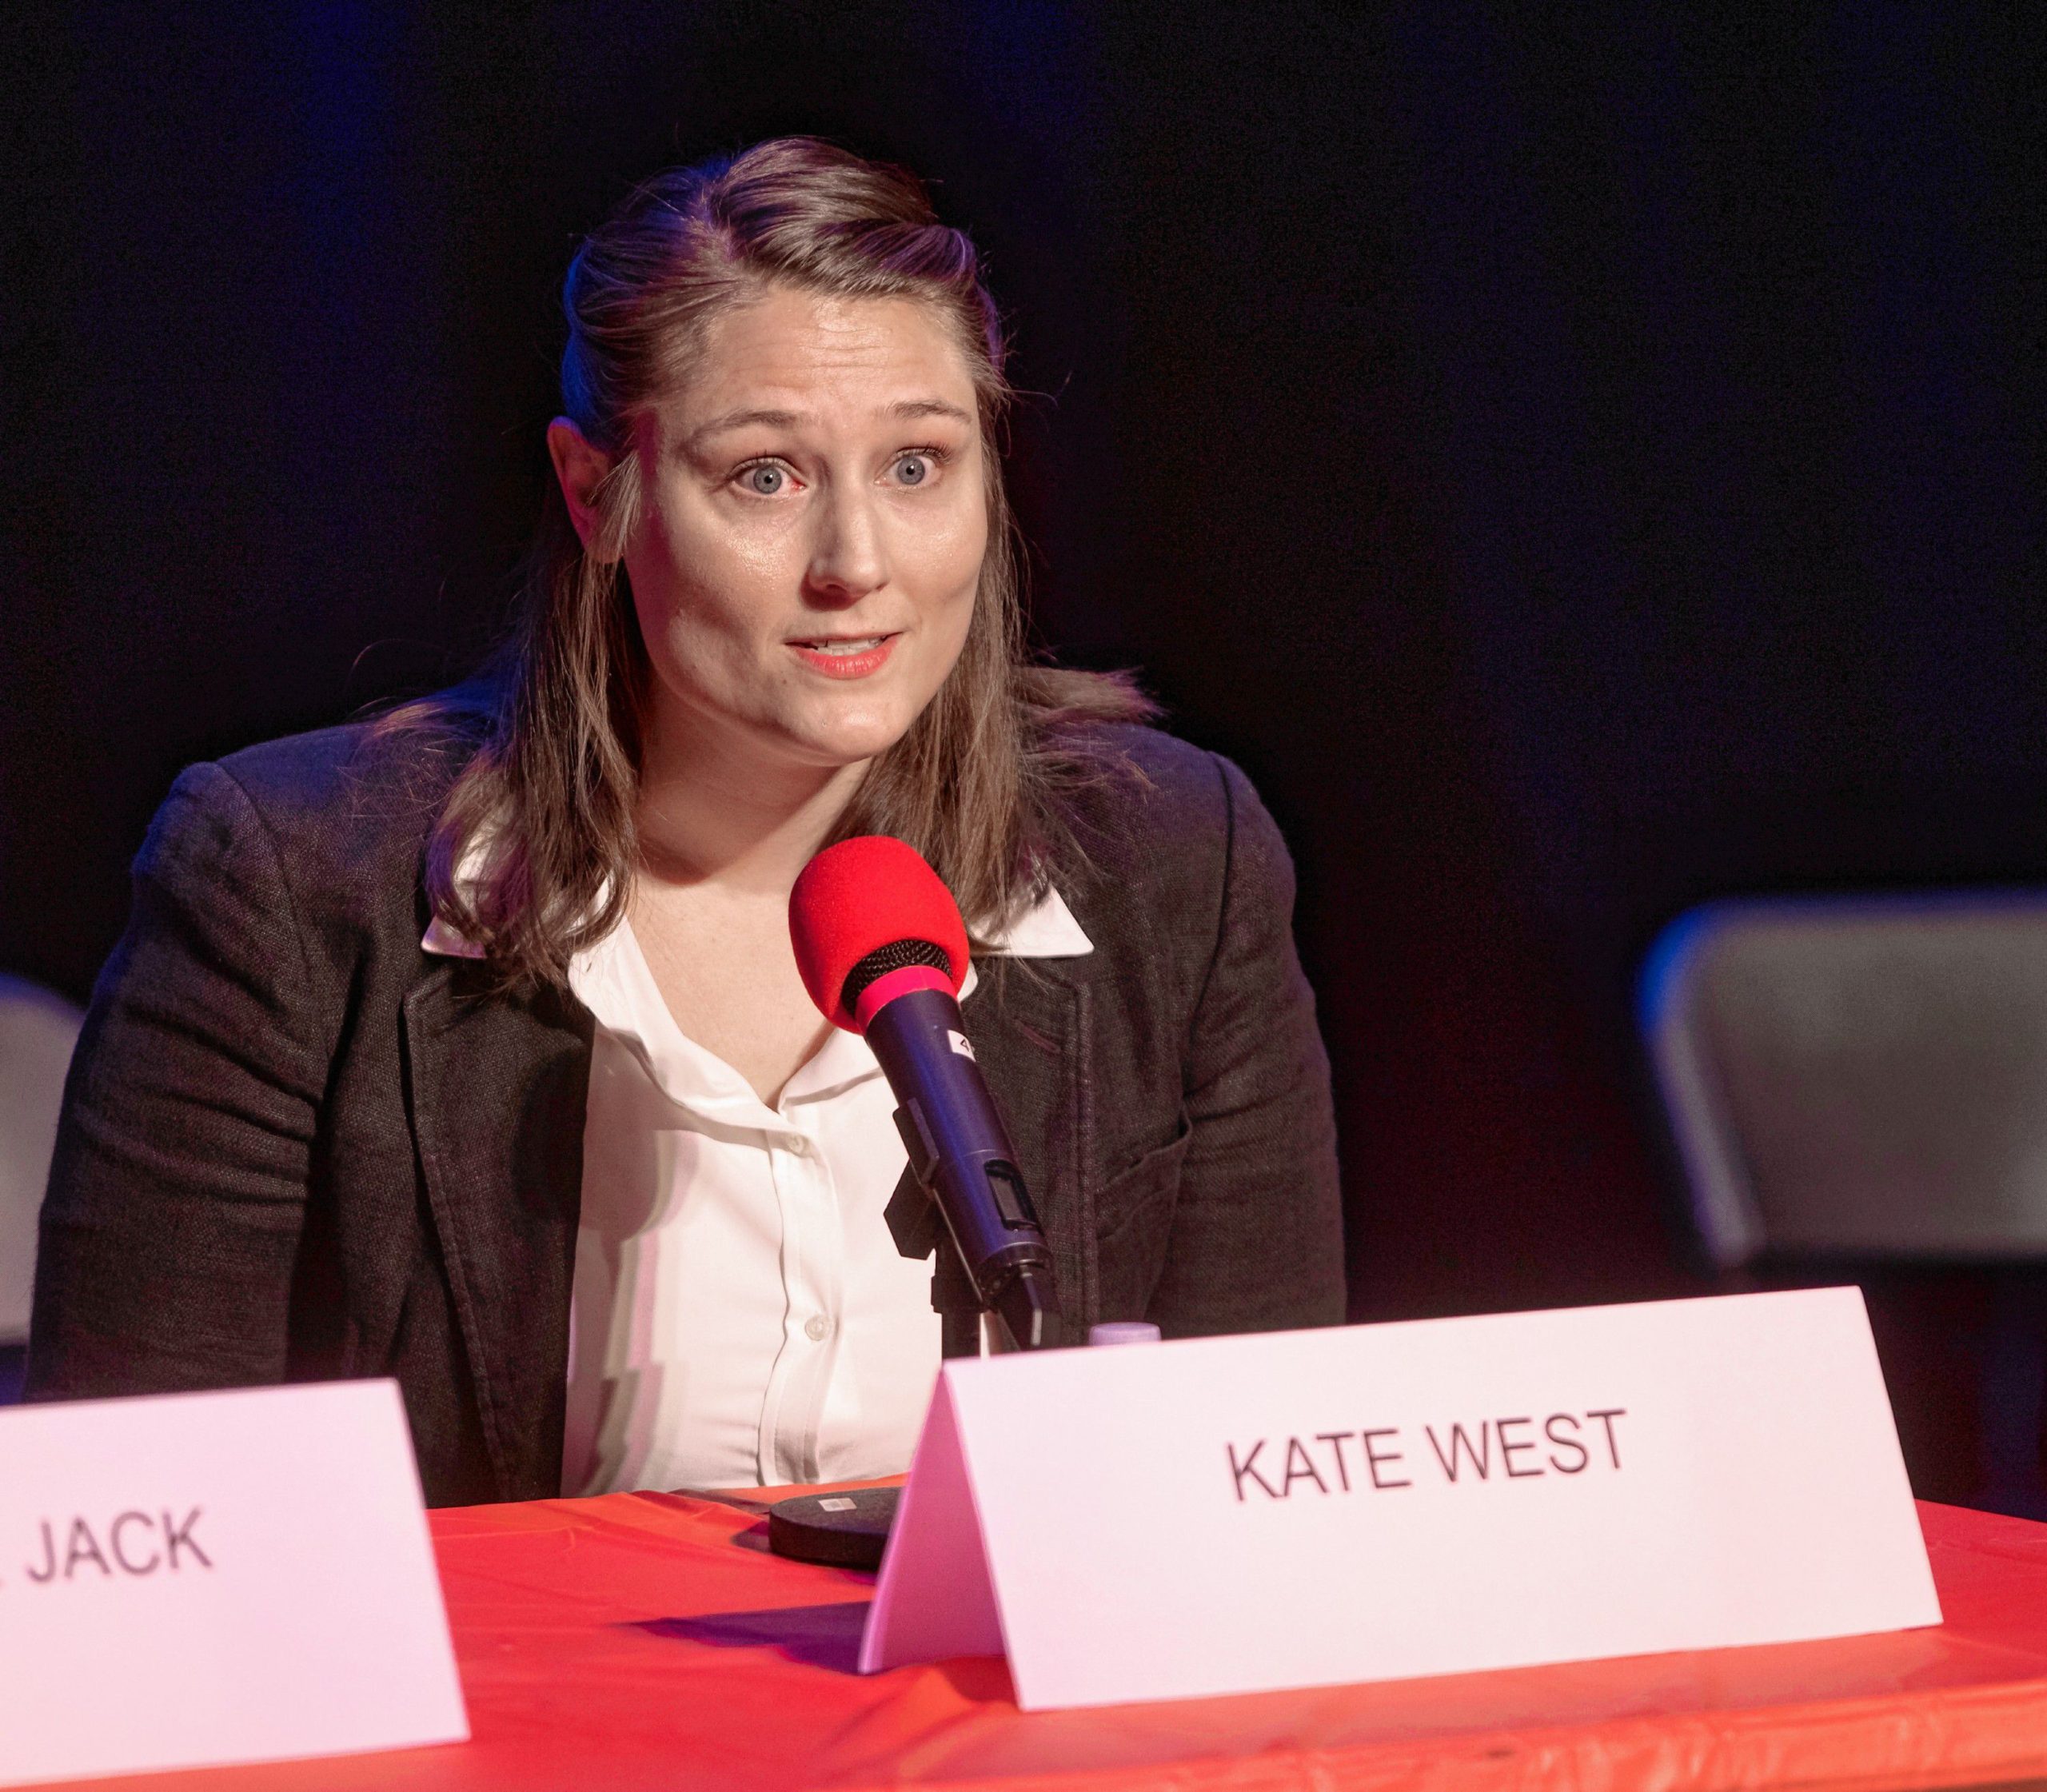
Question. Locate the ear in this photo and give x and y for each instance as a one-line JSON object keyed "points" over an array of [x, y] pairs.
{"points": [[579, 465]]}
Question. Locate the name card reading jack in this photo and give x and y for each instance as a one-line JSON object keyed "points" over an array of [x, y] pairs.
{"points": [[200, 1580], [1239, 1514]]}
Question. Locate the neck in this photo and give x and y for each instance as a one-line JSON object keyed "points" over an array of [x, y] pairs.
{"points": [[711, 812]]}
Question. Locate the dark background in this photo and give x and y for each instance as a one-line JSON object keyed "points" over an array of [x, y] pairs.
{"points": [[1581, 459]]}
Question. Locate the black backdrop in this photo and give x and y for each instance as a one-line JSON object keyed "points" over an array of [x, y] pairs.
{"points": [[1580, 459]]}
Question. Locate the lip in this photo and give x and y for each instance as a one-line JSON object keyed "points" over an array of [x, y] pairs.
{"points": [[846, 665]]}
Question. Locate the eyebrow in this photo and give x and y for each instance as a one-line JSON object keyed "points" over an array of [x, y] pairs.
{"points": [[910, 407], [906, 409], [737, 420]]}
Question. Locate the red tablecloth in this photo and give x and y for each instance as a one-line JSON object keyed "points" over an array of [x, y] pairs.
{"points": [[648, 1640]]}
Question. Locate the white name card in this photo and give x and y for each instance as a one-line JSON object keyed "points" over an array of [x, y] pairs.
{"points": [[1237, 1515], [199, 1579]]}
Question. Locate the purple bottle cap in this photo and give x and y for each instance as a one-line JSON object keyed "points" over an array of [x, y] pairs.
{"points": [[1124, 1332]]}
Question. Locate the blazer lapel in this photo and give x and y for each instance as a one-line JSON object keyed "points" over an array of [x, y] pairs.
{"points": [[497, 1087]]}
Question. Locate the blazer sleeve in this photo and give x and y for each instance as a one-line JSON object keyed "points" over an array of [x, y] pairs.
{"points": [[1257, 1238], [177, 1189]]}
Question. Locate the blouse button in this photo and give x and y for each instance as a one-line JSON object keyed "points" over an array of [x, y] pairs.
{"points": [[816, 1328]]}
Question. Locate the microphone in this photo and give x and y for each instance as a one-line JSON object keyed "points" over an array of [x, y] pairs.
{"points": [[883, 950]]}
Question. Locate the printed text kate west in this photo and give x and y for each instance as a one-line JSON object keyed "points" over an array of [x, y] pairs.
{"points": [[1380, 1459]]}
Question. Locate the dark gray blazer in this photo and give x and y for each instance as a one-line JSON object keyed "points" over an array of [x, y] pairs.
{"points": [[294, 1145]]}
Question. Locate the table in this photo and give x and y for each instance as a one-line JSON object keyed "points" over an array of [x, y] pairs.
{"points": [[648, 1640]]}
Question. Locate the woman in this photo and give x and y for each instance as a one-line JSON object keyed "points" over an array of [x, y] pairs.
{"points": [[468, 1047]]}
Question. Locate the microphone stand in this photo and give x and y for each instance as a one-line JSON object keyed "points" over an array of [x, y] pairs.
{"points": [[919, 1230], [954, 1298], [849, 1529], [1026, 1310], [959, 1185]]}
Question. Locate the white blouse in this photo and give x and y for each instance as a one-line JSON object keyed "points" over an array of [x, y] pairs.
{"points": [[740, 1316]]}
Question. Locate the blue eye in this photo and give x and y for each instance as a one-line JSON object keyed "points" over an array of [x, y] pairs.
{"points": [[913, 469], [764, 481]]}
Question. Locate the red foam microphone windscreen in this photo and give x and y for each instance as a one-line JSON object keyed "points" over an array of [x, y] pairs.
{"points": [[857, 896]]}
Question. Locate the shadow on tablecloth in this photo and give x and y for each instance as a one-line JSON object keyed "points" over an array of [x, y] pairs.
{"points": [[819, 1636]]}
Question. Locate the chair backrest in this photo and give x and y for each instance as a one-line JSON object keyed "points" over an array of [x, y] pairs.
{"points": [[1861, 1076], [36, 1032]]}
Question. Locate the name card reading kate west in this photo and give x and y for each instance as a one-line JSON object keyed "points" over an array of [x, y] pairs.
{"points": [[1368, 1503], [199, 1579]]}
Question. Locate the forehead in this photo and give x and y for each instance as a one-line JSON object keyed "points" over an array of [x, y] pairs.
{"points": [[821, 356]]}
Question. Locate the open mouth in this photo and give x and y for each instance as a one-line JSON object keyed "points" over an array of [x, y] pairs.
{"points": [[845, 656]]}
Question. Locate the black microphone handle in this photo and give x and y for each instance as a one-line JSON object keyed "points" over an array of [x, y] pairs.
{"points": [[959, 1150]]}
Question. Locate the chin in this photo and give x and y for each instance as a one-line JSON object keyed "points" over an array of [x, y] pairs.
{"points": [[849, 743]]}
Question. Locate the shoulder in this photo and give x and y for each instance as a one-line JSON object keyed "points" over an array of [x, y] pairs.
{"points": [[1169, 841], [362, 774], [346, 786], [338, 817], [1157, 804]]}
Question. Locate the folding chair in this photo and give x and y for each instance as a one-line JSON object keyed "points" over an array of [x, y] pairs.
{"points": [[1862, 1081], [37, 1030]]}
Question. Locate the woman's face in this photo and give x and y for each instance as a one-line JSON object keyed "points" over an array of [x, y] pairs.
{"points": [[813, 522]]}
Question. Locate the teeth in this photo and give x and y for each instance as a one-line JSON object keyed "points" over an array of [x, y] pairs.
{"points": [[864, 645]]}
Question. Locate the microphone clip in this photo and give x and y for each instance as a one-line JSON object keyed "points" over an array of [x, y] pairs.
{"points": [[1023, 1298], [912, 1216]]}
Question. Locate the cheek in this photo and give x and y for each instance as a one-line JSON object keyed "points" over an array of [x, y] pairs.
{"points": [[947, 561], [700, 591]]}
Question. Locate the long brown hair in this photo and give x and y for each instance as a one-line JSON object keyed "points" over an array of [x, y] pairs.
{"points": [[532, 855]]}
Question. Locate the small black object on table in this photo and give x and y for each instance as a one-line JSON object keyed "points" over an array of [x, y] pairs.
{"points": [[844, 1529]]}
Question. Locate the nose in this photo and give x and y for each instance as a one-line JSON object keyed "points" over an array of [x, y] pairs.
{"points": [[848, 557]]}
